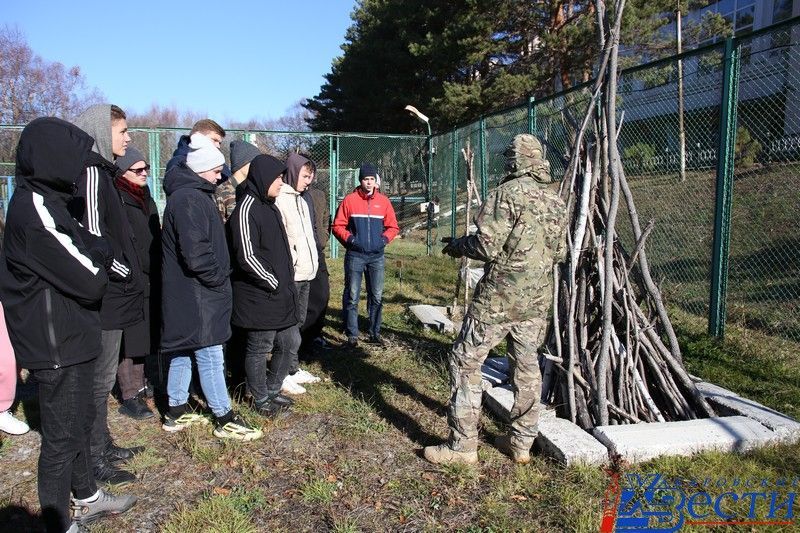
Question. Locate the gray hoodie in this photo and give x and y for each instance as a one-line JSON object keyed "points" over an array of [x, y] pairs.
{"points": [[96, 121]]}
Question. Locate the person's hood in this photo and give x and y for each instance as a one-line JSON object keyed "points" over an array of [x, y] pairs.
{"points": [[96, 121], [264, 169], [524, 157], [293, 165], [52, 153], [182, 177]]}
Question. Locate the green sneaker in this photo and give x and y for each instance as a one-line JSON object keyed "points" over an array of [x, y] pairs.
{"points": [[180, 417], [231, 426]]}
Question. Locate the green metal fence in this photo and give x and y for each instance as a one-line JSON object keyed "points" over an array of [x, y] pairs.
{"points": [[723, 190]]}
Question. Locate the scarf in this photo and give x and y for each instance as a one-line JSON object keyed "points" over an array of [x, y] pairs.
{"points": [[138, 193]]}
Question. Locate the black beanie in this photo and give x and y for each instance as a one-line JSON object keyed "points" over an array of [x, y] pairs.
{"points": [[242, 152], [367, 169]]}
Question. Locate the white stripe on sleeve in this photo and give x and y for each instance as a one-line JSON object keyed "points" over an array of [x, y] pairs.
{"points": [[63, 239], [92, 210], [247, 245]]}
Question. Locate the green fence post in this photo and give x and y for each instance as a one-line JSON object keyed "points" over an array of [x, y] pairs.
{"points": [[333, 186], [482, 159], [532, 116], [725, 167], [429, 197], [454, 185], [154, 146]]}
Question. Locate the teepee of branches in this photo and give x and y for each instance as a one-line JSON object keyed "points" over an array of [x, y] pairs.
{"points": [[613, 357]]}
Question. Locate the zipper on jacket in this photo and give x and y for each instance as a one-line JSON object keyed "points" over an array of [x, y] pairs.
{"points": [[369, 222], [51, 330]]}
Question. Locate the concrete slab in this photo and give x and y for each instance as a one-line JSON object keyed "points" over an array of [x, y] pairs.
{"points": [[558, 439], [433, 317], [500, 400], [500, 363], [729, 403], [492, 375], [642, 442], [567, 443]]}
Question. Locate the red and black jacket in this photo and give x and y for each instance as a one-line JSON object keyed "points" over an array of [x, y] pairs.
{"points": [[365, 223]]}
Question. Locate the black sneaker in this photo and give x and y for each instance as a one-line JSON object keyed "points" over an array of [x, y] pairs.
{"points": [[105, 472], [136, 408], [116, 453], [352, 342], [231, 426], [274, 406], [377, 340]]}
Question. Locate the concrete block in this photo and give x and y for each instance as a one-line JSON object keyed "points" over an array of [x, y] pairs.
{"points": [[567, 443], [499, 400], [642, 442], [500, 363], [729, 403], [559, 439], [492, 375], [433, 317]]}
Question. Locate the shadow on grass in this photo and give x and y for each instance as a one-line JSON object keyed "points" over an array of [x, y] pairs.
{"points": [[360, 374], [19, 518]]}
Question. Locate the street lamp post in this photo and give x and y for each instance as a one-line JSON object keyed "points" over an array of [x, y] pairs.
{"points": [[422, 118]]}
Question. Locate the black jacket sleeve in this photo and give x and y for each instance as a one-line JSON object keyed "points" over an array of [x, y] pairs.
{"points": [[59, 256], [194, 243], [94, 191], [245, 235]]}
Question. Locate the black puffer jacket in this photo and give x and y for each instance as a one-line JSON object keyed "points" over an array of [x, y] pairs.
{"points": [[50, 285], [142, 338], [264, 295], [196, 290]]}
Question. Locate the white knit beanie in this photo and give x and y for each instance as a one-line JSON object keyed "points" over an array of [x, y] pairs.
{"points": [[203, 155]]}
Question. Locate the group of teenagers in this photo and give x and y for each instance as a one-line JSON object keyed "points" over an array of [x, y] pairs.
{"points": [[97, 290]]}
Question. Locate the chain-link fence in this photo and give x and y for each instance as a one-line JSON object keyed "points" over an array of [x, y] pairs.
{"points": [[710, 142], [712, 156]]}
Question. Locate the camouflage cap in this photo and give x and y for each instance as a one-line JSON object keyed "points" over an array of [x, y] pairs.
{"points": [[524, 157]]}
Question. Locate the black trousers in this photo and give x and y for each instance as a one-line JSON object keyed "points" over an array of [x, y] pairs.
{"points": [[266, 369], [66, 407], [318, 297]]}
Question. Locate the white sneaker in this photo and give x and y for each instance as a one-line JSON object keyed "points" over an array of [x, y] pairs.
{"points": [[11, 425], [290, 386], [304, 376]]}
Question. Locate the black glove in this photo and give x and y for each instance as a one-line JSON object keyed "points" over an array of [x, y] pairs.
{"points": [[452, 247], [102, 253]]}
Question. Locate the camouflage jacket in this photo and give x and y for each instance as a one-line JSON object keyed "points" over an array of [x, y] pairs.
{"points": [[521, 235], [225, 197]]}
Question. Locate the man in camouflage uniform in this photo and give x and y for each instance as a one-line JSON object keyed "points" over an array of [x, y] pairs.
{"points": [[520, 237]]}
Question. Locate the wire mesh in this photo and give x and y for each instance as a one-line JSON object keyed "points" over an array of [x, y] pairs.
{"points": [[672, 171]]}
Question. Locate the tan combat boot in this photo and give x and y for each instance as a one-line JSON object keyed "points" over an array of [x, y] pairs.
{"points": [[518, 455], [443, 454]]}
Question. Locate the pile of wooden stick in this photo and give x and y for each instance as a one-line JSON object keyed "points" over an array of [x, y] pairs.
{"points": [[613, 356]]}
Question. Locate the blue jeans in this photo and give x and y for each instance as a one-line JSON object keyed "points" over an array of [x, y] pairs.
{"points": [[211, 367], [372, 266]]}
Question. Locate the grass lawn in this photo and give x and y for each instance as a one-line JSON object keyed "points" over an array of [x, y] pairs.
{"points": [[347, 459]]}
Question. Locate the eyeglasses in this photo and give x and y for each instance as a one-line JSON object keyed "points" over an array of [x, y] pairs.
{"points": [[140, 171]]}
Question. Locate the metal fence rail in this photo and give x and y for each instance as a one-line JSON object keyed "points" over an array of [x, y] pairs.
{"points": [[723, 191]]}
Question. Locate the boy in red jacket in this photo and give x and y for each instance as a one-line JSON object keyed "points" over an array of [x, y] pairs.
{"points": [[365, 223]]}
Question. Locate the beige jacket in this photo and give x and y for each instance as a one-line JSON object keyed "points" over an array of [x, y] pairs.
{"points": [[299, 231]]}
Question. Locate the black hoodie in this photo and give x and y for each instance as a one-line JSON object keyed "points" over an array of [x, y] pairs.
{"points": [[50, 286], [98, 206], [195, 266], [264, 295]]}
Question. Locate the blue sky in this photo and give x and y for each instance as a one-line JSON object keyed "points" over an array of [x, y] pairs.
{"points": [[232, 60]]}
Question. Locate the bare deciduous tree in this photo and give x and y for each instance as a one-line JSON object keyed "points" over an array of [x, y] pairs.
{"points": [[31, 86]]}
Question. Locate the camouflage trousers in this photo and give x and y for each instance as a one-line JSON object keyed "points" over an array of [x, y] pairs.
{"points": [[468, 354]]}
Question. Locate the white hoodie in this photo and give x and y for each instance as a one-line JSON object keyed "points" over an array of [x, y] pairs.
{"points": [[300, 232]]}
